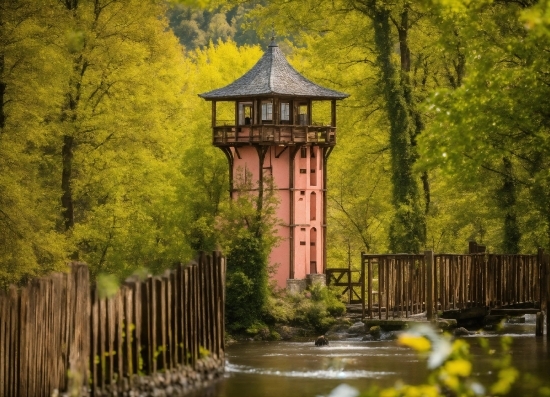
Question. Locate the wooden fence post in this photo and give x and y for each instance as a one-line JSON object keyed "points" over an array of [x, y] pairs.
{"points": [[370, 276], [362, 284], [430, 287]]}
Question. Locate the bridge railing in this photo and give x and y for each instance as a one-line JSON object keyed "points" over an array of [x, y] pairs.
{"points": [[401, 285], [394, 284], [349, 281]]}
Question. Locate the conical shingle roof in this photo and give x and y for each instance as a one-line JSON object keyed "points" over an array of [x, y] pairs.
{"points": [[273, 75]]}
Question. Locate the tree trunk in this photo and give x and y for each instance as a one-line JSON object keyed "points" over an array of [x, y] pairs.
{"points": [[67, 197], [507, 199], [3, 86], [408, 228]]}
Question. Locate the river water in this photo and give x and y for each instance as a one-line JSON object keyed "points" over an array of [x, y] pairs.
{"points": [[288, 369]]}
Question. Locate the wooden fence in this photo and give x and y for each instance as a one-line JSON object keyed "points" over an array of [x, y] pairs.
{"points": [[44, 333], [59, 323]]}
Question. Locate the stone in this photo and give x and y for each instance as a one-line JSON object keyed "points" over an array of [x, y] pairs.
{"points": [[461, 331], [295, 286], [314, 279], [375, 331], [357, 328], [447, 324]]}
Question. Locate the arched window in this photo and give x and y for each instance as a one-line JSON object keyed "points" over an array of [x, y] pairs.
{"points": [[313, 206], [313, 251]]}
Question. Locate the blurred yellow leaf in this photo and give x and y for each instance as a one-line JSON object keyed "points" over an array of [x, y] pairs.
{"points": [[419, 343]]}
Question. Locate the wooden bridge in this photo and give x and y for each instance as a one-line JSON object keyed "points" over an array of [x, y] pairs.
{"points": [[475, 284]]}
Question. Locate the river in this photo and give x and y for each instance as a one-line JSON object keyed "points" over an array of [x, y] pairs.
{"points": [[289, 369]]}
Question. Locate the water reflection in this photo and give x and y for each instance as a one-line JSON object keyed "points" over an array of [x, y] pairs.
{"points": [[288, 369]]}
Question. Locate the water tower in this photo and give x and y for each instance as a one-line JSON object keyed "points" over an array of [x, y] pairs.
{"points": [[276, 131]]}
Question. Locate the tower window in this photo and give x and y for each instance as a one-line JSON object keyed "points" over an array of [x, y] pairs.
{"points": [[285, 112], [267, 111], [302, 114], [303, 152]]}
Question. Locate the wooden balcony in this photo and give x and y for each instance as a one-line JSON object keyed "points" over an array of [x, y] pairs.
{"points": [[230, 135]]}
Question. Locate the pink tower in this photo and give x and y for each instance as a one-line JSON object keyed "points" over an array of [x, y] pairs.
{"points": [[284, 126]]}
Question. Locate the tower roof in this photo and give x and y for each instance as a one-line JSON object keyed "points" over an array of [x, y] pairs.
{"points": [[272, 75]]}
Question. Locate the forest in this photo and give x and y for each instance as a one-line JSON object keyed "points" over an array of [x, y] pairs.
{"points": [[105, 147]]}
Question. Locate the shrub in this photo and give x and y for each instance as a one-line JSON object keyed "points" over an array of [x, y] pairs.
{"points": [[314, 308]]}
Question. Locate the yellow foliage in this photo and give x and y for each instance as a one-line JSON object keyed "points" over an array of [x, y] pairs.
{"points": [[419, 343], [458, 367], [506, 378]]}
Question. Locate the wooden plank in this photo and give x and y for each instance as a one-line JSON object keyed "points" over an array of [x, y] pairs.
{"points": [[103, 335], [120, 340], [211, 315], [32, 327], [14, 333], [380, 287], [161, 321], [85, 337], [41, 338], [95, 351], [219, 303], [23, 349], [208, 303], [56, 364], [201, 303], [195, 314], [111, 347], [168, 320], [187, 316], [175, 313], [129, 328], [4, 342], [223, 280], [430, 285], [180, 319]]}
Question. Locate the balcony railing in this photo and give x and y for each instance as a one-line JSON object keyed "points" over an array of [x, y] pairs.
{"points": [[273, 134]]}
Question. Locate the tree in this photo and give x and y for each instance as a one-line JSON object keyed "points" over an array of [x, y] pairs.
{"points": [[121, 123], [30, 73], [247, 234], [489, 124]]}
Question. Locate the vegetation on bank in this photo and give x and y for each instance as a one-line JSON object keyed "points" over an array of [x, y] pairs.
{"points": [[286, 314]]}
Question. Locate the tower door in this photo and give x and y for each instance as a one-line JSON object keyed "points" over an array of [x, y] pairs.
{"points": [[245, 113]]}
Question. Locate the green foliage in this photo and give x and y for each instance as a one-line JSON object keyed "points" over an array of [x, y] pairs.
{"points": [[105, 151], [488, 128], [107, 285], [198, 25], [247, 282], [315, 308]]}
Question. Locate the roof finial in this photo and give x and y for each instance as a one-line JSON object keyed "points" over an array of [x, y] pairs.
{"points": [[272, 32]]}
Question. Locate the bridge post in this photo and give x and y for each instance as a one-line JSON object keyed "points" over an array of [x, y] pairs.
{"points": [[363, 284], [429, 255]]}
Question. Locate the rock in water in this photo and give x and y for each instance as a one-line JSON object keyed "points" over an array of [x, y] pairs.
{"points": [[321, 341]]}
